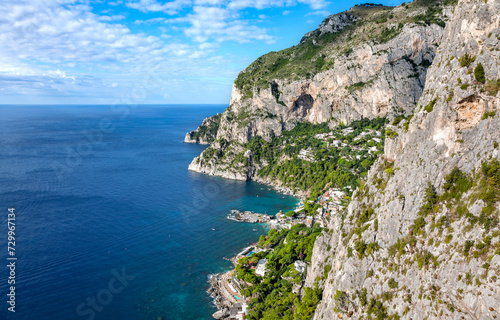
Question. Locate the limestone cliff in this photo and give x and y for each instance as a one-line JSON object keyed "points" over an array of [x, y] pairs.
{"points": [[367, 62], [206, 132], [420, 240]]}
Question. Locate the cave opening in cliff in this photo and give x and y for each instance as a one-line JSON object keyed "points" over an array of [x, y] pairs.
{"points": [[303, 104]]}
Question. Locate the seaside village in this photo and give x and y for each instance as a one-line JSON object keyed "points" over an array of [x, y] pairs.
{"points": [[226, 287]]}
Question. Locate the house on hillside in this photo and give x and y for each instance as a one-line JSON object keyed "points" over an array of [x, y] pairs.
{"points": [[261, 268], [300, 266]]}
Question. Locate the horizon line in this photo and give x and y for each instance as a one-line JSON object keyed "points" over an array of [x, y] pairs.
{"points": [[111, 104]]}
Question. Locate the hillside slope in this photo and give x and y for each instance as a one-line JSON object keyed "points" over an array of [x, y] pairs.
{"points": [[421, 238]]}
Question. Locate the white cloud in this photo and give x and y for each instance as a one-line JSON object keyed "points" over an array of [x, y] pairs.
{"points": [[323, 13], [315, 4], [40, 38], [170, 8], [112, 18], [63, 48], [286, 12], [150, 21], [221, 24], [262, 4], [208, 46], [60, 74], [209, 2]]}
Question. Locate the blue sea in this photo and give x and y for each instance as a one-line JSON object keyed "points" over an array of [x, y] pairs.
{"points": [[109, 223]]}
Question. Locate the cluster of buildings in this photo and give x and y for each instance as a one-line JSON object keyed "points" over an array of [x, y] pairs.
{"points": [[332, 196], [331, 203], [331, 141], [229, 287], [306, 154], [237, 311]]}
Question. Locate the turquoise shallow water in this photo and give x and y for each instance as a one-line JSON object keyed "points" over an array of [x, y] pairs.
{"points": [[99, 192]]}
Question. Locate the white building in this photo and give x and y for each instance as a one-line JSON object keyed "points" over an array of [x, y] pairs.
{"points": [[261, 268], [347, 131], [300, 266]]}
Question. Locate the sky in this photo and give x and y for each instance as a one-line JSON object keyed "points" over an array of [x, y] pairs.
{"points": [[143, 51]]}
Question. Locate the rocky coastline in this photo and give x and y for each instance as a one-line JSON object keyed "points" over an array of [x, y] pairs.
{"points": [[281, 189], [224, 295]]}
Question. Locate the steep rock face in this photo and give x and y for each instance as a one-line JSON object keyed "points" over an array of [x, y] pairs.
{"points": [[365, 79], [370, 82], [432, 275]]}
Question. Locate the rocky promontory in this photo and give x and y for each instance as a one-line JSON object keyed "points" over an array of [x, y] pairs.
{"points": [[206, 132]]}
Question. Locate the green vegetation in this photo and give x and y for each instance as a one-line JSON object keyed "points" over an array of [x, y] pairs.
{"points": [[489, 114], [424, 259], [328, 164], [485, 186], [489, 193], [378, 309], [456, 183], [468, 245], [479, 73], [393, 284], [431, 16], [390, 134], [358, 86], [271, 295], [313, 157], [301, 61], [317, 52], [492, 87], [466, 60], [341, 301], [431, 105], [276, 93], [406, 125], [388, 34], [207, 131], [290, 214]]}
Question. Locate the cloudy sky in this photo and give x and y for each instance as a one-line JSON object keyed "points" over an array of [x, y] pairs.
{"points": [[151, 51]]}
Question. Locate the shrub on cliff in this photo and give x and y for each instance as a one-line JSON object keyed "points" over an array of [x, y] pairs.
{"points": [[479, 73], [466, 60], [492, 87], [390, 134]]}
